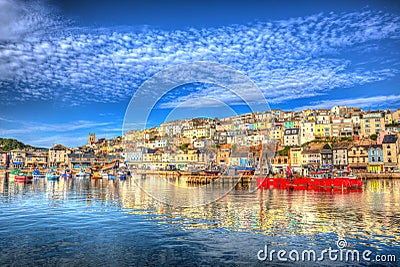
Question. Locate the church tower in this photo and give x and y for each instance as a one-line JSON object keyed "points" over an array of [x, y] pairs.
{"points": [[91, 139]]}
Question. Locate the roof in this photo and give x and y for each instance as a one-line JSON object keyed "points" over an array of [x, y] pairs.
{"points": [[389, 139], [291, 131]]}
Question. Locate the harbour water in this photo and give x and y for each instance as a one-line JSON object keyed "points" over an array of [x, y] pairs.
{"points": [[114, 223]]}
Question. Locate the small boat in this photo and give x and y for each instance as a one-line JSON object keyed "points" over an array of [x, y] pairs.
{"points": [[52, 175], [37, 174], [66, 174], [96, 175], [81, 174], [122, 176]]}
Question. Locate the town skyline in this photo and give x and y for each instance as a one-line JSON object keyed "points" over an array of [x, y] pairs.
{"points": [[67, 70]]}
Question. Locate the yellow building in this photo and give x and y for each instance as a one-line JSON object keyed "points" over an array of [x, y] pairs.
{"points": [[372, 123], [36, 160], [276, 134], [323, 130], [296, 158]]}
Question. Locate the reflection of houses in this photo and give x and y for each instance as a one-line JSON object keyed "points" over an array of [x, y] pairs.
{"points": [[375, 159], [391, 150], [339, 153]]}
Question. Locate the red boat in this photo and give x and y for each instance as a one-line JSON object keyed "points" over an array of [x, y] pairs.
{"points": [[323, 180]]}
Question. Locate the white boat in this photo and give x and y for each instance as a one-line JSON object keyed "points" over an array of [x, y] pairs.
{"points": [[81, 175]]}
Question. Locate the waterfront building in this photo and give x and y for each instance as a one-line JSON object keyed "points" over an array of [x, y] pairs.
{"points": [[3, 160], [339, 153], [239, 158], [391, 152], [223, 155], [311, 155], [358, 157], [375, 159], [327, 156], [81, 159], [296, 159], [291, 137], [58, 156], [36, 159], [17, 158]]}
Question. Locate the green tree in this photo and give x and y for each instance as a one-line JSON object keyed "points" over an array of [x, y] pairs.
{"points": [[373, 137]]}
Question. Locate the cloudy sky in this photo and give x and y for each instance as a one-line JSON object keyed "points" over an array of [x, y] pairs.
{"points": [[71, 67]]}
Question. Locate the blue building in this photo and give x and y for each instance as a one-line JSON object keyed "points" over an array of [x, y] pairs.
{"points": [[375, 159]]}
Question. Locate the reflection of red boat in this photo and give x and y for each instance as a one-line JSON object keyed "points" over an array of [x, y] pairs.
{"points": [[318, 181], [23, 178]]}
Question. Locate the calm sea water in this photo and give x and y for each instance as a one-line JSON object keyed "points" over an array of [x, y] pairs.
{"points": [[114, 223]]}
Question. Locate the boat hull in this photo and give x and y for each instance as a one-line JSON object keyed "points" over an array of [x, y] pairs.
{"points": [[308, 183]]}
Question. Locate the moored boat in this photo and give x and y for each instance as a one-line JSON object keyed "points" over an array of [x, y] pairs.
{"points": [[323, 180], [52, 175], [96, 175], [36, 174]]}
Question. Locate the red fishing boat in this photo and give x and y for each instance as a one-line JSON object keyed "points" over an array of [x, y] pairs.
{"points": [[323, 180]]}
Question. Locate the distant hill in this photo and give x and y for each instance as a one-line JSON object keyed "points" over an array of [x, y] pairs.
{"points": [[7, 144]]}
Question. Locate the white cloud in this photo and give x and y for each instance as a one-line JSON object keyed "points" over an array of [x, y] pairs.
{"points": [[289, 59]]}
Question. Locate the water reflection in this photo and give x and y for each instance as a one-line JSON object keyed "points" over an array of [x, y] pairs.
{"points": [[371, 216]]}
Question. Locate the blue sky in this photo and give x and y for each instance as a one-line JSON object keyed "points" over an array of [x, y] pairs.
{"points": [[71, 67]]}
